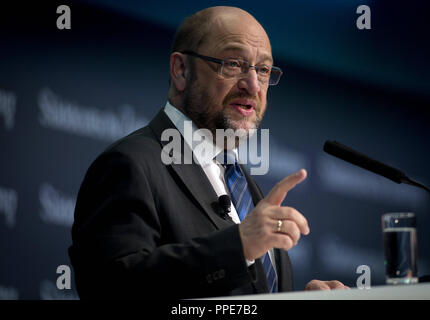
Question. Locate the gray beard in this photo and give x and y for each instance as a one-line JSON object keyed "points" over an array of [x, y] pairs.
{"points": [[200, 114]]}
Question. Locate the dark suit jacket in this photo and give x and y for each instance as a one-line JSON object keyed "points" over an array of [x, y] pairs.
{"points": [[145, 229]]}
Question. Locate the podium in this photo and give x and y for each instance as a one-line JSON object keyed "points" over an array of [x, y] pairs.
{"points": [[391, 292]]}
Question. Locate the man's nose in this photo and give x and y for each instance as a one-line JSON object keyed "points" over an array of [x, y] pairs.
{"points": [[250, 82]]}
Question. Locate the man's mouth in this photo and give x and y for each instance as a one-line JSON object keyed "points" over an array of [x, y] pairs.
{"points": [[245, 107]]}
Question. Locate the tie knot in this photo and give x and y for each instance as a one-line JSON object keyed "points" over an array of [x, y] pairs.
{"points": [[231, 166], [229, 158]]}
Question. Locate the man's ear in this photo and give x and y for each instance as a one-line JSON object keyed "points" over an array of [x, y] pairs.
{"points": [[177, 71]]}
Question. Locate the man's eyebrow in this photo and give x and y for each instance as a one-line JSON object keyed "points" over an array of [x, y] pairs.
{"points": [[263, 57]]}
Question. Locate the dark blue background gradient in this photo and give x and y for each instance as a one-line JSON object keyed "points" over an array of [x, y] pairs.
{"points": [[78, 90]]}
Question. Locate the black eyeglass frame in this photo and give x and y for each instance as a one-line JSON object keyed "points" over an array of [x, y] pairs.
{"points": [[222, 62]]}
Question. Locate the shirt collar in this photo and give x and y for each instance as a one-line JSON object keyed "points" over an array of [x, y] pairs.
{"points": [[189, 130]]}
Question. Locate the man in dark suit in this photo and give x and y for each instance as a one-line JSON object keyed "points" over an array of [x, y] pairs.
{"points": [[147, 228]]}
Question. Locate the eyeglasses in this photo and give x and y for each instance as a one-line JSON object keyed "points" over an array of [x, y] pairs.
{"points": [[238, 68]]}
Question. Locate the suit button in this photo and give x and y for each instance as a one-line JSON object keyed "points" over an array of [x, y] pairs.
{"points": [[221, 273], [209, 278]]}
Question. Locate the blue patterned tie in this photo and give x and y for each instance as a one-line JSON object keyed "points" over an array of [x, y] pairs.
{"points": [[242, 201]]}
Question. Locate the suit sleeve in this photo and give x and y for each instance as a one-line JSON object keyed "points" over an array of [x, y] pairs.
{"points": [[118, 249]]}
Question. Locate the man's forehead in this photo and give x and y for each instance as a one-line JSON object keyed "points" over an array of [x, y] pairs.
{"points": [[242, 49], [231, 34], [232, 24]]}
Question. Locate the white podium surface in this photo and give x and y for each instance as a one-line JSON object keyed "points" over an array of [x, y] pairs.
{"points": [[399, 292]]}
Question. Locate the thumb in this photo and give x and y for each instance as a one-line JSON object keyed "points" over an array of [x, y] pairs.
{"points": [[279, 191]]}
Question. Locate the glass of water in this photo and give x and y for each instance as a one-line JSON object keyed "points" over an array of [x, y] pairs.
{"points": [[400, 247]]}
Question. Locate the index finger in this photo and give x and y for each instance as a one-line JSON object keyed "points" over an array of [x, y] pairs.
{"points": [[280, 190]]}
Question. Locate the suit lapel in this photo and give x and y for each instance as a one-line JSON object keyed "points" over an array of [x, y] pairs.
{"points": [[192, 175], [196, 181]]}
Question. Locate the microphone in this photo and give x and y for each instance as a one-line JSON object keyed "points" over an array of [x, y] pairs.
{"points": [[225, 205], [343, 152]]}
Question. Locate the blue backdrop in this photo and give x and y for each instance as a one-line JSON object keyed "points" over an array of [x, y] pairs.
{"points": [[65, 95]]}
